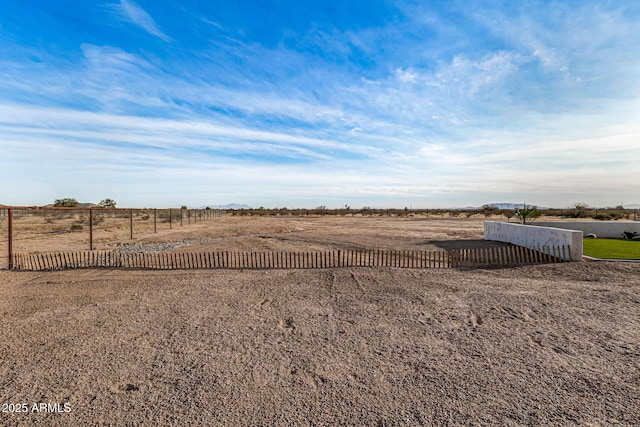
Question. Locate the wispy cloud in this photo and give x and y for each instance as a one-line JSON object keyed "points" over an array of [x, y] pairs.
{"points": [[136, 14], [439, 106]]}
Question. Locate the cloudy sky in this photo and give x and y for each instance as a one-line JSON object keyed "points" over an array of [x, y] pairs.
{"points": [[306, 103]]}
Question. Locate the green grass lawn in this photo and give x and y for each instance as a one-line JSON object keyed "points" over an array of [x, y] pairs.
{"points": [[612, 248]]}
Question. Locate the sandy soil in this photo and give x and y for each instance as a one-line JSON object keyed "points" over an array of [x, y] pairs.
{"points": [[552, 344], [32, 234]]}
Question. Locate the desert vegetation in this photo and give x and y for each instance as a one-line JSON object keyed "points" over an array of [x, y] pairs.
{"points": [[584, 211], [527, 214], [487, 211]]}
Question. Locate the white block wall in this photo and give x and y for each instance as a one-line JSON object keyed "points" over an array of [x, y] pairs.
{"points": [[535, 237], [602, 229]]}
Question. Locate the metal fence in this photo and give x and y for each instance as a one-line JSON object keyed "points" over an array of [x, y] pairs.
{"points": [[17, 212], [71, 229], [495, 256]]}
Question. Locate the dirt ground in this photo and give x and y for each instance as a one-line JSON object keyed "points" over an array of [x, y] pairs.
{"points": [[31, 234], [235, 233], [554, 344]]}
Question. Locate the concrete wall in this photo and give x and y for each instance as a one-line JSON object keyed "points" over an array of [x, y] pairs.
{"points": [[602, 229], [535, 237]]}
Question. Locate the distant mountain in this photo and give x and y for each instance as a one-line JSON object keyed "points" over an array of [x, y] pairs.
{"points": [[227, 206], [514, 205]]}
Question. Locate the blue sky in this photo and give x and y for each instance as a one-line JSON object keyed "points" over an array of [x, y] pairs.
{"points": [[301, 104]]}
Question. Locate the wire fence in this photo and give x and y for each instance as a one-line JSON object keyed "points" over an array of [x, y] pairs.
{"points": [[50, 229], [34, 237], [17, 212]]}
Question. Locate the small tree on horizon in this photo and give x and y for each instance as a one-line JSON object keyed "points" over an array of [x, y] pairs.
{"points": [[107, 203], [527, 214], [66, 202]]}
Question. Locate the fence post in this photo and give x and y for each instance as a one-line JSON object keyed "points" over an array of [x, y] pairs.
{"points": [[131, 223], [10, 225], [90, 229], [170, 220], [155, 220]]}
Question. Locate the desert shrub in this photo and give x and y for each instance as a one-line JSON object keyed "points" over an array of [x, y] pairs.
{"points": [[602, 217], [554, 212], [66, 202], [578, 210], [608, 215], [76, 227], [176, 215], [489, 210], [107, 203], [122, 213], [618, 215]]}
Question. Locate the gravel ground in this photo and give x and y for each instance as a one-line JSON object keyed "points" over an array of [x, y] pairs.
{"points": [[536, 345], [140, 248]]}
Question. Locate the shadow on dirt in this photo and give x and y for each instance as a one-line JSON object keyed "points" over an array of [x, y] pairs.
{"points": [[466, 244]]}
